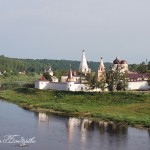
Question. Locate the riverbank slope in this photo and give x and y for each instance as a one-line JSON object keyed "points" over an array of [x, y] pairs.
{"points": [[132, 108]]}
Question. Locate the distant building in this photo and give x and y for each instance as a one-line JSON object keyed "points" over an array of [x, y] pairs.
{"points": [[77, 81], [136, 81], [121, 65], [51, 73], [83, 68], [101, 71], [71, 84]]}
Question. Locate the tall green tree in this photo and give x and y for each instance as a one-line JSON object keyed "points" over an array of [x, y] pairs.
{"points": [[91, 80], [117, 80], [94, 83], [101, 83]]}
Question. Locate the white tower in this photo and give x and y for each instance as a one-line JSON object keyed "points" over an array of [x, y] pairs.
{"points": [[83, 68], [50, 71], [101, 70]]}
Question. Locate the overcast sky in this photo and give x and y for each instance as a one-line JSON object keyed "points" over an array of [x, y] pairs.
{"points": [[61, 29]]}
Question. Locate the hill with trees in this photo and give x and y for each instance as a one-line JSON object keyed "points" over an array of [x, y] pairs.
{"points": [[12, 66], [15, 65]]}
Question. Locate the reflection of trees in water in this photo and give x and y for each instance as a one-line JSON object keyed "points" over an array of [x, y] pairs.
{"points": [[113, 128], [103, 126], [87, 125]]}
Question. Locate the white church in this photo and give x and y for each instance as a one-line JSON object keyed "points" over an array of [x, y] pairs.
{"points": [[74, 82], [71, 82]]}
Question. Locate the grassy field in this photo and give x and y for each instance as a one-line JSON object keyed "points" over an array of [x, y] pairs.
{"points": [[125, 107], [19, 78]]}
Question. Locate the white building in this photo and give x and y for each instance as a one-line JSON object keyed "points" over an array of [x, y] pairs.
{"points": [[51, 73], [101, 71], [83, 68], [69, 85], [136, 81], [73, 82], [122, 65]]}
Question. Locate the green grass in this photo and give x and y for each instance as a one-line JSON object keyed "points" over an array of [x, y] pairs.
{"points": [[126, 107], [19, 78]]}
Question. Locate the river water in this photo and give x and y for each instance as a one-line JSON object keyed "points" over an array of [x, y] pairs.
{"points": [[51, 132]]}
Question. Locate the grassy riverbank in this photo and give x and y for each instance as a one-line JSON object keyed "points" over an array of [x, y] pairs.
{"points": [[126, 107]]}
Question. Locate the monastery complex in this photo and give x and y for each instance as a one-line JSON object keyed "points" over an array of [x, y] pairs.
{"points": [[77, 82]]}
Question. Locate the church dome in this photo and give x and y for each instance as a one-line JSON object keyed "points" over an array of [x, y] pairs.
{"points": [[116, 61], [123, 62], [51, 73]]}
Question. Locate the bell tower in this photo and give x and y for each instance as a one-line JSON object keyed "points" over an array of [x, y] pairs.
{"points": [[101, 71], [70, 76]]}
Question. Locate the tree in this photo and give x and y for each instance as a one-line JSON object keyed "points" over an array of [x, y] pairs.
{"points": [[94, 83], [91, 80], [122, 84], [111, 81], [117, 80], [142, 68], [47, 76], [133, 67], [149, 80], [148, 66], [102, 81]]}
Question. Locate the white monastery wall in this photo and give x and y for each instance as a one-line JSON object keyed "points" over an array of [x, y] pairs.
{"points": [[67, 86], [138, 85], [71, 86], [58, 86], [42, 85]]}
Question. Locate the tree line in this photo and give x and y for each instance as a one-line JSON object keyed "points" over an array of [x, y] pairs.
{"points": [[14, 65]]}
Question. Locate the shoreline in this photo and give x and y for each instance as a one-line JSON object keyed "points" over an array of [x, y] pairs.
{"points": [[60, 105]]}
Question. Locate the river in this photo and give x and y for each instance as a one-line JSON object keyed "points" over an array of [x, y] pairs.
{"points": [[21, 129]]}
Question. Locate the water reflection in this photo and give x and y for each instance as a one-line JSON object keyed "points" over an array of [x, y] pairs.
{"points": [[89, 128], [149, 131], [86, 134], [86, 126], [71, 124], [43, 118], [102, 126], [58, 132]]}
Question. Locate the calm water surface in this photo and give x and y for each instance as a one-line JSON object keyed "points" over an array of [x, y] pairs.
{"points": [[51, 132]]}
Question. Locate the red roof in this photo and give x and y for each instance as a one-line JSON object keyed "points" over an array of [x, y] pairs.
{"points": [[138, 75], [42, 79], [123, 62]]}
